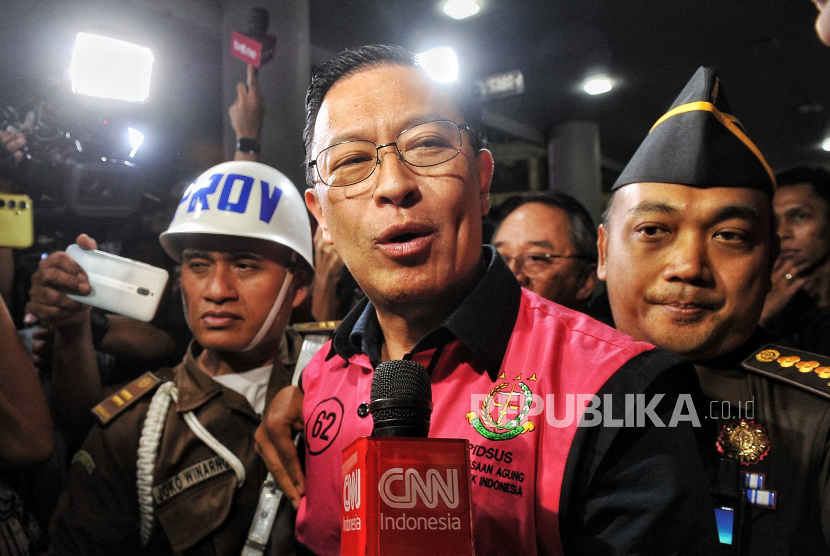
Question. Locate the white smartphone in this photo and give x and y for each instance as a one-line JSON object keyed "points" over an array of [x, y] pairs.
{"points": [[120, 285]]}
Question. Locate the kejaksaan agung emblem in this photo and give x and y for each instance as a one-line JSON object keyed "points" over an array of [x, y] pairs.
{"points": [[495, 420]]}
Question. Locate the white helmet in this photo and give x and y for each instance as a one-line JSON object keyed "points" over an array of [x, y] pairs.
{"points": [[244, 199]]}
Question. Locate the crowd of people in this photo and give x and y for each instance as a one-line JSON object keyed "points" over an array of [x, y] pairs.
{"points": [[705, 286]]}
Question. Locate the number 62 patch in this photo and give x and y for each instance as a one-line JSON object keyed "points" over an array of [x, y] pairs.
{"points": [[323, 426]]}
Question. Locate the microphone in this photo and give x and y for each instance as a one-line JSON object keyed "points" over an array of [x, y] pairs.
{"points": [[404, 493], [258, 23], [254, 47], [401, 400]]}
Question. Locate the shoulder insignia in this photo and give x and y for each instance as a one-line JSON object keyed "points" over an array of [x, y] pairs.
{"points": [[316, 327], [112, 406], [802, 369], [85, 459]]}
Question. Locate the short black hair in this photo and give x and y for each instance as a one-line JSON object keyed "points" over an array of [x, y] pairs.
{"points": [[818, 178], [583, 230], [351, 61]]}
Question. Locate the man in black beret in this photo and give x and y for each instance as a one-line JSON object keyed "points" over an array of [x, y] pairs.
{"points": [[686, 249]]}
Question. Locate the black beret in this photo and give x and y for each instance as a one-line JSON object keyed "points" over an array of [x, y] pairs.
{"points": [[699, 143]]}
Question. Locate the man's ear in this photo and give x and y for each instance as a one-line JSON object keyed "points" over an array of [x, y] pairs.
{"points": [[484, 167], [299, 296], [602, 246], [312, 201], [589, 283]]}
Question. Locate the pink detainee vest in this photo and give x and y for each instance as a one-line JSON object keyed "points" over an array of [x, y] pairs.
{"points": [[519, 444]]}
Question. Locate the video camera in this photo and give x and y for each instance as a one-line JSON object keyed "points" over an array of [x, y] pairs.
{"points": [[77, 165]]}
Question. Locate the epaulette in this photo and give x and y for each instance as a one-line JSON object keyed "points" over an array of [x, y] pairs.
{"points": [[116, 403], [326, 326], [802, 369], [315, 335]]}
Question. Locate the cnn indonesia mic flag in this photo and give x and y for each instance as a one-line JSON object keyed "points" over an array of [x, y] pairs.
{"points": [[403, 493], [406, 496]]}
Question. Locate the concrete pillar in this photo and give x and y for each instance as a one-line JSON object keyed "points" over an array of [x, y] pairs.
{"points": [[574, 164], [284, 81]]}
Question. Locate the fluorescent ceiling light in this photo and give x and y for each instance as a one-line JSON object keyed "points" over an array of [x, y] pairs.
{"points": [[440, 63], [826, 144], [110, 68], [598, 85], [461, 9], [136, 140]]}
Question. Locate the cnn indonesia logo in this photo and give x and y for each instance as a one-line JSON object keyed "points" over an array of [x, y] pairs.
{"points": [[430, 491], [351, 499]]}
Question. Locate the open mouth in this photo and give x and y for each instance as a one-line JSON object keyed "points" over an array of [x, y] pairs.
{"points": [[404, 233], [405, 240], [405, 237]]}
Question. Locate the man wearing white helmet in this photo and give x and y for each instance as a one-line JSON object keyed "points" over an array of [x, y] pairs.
{"points": [[171, 467]]}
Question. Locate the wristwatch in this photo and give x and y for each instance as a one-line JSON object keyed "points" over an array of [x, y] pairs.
{"points": [[248, 145]]}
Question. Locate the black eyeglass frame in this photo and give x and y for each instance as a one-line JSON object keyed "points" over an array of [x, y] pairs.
{"points": [[461, 127]]}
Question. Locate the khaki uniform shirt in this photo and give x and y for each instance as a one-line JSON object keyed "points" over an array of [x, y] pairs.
{"points": [[199, 508]]}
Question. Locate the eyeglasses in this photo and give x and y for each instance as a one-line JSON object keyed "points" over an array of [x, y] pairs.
{"points": [[423, 145], [537, 263]]}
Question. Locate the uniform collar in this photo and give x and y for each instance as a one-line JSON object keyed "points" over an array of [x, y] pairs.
{"points": [[734, 358], [196, 387], [483, 322]]}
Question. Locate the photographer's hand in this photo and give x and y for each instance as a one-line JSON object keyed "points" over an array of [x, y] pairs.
{"points": [[247, 112], [56, 276], [76, 379], [14, 141]]}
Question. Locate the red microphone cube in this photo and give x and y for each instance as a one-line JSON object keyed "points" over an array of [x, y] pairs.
{"points": [[406, 496], [252, 51]]}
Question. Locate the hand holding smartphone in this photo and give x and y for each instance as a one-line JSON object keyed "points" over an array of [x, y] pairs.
{"points": [[120, 285]]}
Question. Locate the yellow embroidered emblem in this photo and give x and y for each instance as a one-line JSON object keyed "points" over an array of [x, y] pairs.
{"points": [[767, 355], [807, 366], [788, 360]]}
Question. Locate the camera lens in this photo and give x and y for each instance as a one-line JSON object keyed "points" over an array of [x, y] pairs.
{"points": [[2, 203], [12, 204], [23, 205], [143, 291]]}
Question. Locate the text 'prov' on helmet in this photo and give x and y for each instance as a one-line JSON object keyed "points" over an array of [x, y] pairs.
{"points": [[242, 199]]}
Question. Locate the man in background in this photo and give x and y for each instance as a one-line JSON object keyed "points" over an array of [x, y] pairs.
{"points": [[550, 243], [797, 309]]}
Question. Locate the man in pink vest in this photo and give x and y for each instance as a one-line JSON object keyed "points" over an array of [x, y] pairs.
{"points": [[399, 182]]}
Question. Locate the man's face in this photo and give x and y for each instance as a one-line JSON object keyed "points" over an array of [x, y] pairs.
{"points": [[823, 21], [687, 269], [802, 220], [229, 285], [407, 234], [539, 228]]}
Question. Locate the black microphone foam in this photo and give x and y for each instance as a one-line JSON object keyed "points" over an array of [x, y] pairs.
{"points": [[401, 399], [258, 23]]}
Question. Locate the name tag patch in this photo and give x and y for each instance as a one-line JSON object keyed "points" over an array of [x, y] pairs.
{"points": [[189, 477]]}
